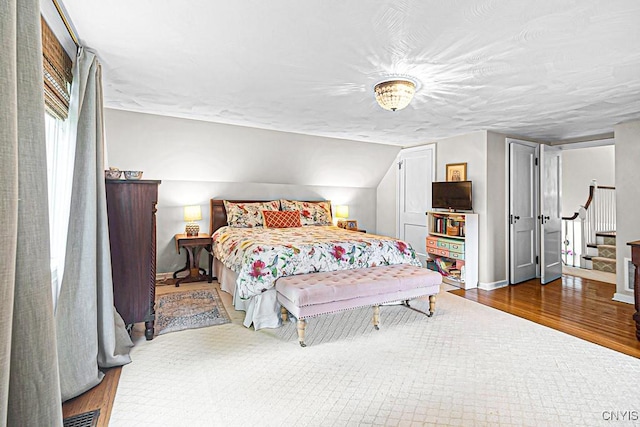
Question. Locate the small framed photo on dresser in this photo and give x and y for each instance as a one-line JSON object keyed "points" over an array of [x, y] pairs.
{"points": [[351, 224]]}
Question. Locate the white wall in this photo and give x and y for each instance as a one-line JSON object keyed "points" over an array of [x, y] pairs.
{"points": [[627, 155], [197, 161], [171, 148], [579, 167], [495, 239], [387, 202], [471, 149]]}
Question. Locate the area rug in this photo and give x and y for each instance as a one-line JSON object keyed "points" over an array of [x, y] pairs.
{"points": [[468, 365], [189, 310]]}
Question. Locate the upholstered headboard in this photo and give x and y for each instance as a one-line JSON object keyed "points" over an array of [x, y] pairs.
{"points": [[218, 214]]}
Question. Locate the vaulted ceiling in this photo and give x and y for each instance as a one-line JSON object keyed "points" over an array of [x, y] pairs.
{"points": [[549, 70]]}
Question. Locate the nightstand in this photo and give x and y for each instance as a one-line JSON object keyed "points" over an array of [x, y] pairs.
{"points": [[193, 245]]}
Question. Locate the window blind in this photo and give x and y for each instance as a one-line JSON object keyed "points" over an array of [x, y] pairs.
{"points": [[57, 74]]}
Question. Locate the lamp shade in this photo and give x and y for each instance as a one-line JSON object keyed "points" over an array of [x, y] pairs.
{"points": [[192, 213], [394, 94], [342, 211]]}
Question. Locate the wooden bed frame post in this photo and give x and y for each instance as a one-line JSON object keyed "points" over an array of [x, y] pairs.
{"points": [[284, 313]]}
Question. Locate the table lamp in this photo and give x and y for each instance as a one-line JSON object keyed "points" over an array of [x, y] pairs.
{"points": [[342, 213], [191, 215]]}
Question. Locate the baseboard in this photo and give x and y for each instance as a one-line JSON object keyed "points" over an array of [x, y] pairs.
{"points": [[623, 298], [160, 277], [493, 285]]}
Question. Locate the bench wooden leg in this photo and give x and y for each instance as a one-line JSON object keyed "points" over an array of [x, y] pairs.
{"points": [[376, 316], [432, 305], [285, 314], [301, 325]]}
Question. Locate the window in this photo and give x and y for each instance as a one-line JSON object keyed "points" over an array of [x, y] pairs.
{"points": [[60, 159], [60, 149], [57, 74]]}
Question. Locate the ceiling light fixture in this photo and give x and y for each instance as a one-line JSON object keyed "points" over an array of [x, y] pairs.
{"points": [[394, 94]]}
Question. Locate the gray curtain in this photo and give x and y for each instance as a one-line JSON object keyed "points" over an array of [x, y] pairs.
{"points": [[91, 334], [29, 387]]}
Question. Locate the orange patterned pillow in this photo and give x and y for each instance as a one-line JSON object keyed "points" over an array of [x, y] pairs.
{"points": [[281, 219]]}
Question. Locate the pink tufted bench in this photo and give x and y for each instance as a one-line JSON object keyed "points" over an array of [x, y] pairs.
{"points": [[314, 294]]}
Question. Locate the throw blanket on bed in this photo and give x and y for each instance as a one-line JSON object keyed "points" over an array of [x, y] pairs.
{"points": [[262, 255]]}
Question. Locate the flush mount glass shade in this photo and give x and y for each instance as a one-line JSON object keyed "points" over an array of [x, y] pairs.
{"points": [[192, 213], [394, 95], [342, 211]]}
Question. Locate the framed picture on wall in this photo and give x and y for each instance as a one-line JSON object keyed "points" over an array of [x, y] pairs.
{"points": [[457, 172]]}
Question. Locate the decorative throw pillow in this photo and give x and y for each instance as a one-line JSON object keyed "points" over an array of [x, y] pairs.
{"points": [[311, 213], [248, 215], [281, 219]]}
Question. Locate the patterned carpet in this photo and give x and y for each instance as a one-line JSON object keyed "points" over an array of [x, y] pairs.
{"points": [[468, 365], [189, 310]]}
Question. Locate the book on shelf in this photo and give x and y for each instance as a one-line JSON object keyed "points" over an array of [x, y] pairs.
{"points": [[448, 269], [444, 266]]}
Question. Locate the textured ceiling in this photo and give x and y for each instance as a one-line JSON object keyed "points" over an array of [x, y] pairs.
{"points": [[549, 70]]}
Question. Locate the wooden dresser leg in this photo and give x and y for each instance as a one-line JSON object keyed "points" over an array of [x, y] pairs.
{"points": [[149, 330], [284, 313], [432, 305], [301, 325], [376, 316]]}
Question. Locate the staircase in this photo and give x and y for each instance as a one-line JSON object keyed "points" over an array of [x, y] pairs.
{"points": [[590, 224], [602, 254]]}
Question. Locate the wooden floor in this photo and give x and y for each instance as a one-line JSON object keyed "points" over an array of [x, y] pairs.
{"points": [[100, 397], [577, 306]]}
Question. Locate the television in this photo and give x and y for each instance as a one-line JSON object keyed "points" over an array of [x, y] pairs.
{"points": [[452, 195]]}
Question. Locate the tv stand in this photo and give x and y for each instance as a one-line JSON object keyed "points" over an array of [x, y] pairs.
{"points": [[452, 245]]}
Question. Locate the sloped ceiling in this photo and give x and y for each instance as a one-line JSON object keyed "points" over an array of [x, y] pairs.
{"points": [[549, 70]]}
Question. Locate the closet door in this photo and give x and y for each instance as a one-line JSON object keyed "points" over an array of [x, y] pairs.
{"points": [[416, 172]]}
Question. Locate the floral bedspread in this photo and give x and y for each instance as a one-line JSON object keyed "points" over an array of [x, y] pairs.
{"points": [[262, 255]]}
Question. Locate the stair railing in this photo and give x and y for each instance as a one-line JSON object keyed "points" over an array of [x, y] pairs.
{"points": [[571, 240], [597, 214]]}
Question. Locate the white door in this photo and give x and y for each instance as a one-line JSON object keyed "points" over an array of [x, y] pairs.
{"points": [[416, 171], [550, 214], [522, 212]]}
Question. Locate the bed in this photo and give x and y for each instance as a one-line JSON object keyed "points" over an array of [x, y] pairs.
{"points": [[248, 261]]}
